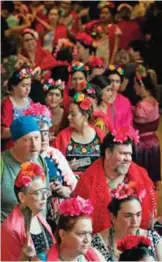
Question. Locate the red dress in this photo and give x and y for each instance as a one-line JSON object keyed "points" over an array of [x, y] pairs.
{"points": [[43, 58], [53, 254], [92, 185], [7, 116]]}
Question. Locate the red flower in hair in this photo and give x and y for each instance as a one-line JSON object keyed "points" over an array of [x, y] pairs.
{"points": [[130, 241], [86, 104], [28, 171], [124, 132], [95, 62]]}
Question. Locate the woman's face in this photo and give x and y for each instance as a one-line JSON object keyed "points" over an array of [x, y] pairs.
{"points": [[29, 42], [107, 94], [35, 196], [78, 239], [76, 118], [54, 98], [129, 216], [115, 81], [105, 15], [22, 90], [53, 15], [77, 79]]}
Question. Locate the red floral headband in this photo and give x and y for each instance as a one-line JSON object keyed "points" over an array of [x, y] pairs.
{"points": [[95, 62], [28, 171], [130, 241], [125, 190], [62, 43], [85, 103], [75, 207], [124, 133]]}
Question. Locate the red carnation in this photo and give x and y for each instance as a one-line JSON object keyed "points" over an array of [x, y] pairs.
{"points": [[86, 104], [130, 241], [23, 181]]}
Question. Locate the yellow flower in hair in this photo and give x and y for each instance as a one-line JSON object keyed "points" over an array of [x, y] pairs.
{"points": [[120, 71], [80, 98], [112, 67]]}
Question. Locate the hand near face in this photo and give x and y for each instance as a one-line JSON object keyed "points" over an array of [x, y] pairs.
{"points": [[61, 190], [27, 251]]}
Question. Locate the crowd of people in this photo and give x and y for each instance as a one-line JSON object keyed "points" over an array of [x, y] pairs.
{"points": [[80, 163]]}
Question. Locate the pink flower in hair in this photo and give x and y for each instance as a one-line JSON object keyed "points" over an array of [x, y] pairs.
{"points": [[75, 207], [124, 133], [86, 104]]}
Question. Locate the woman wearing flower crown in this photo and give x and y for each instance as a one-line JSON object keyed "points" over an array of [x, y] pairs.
{"points": [[80, 141], [84, 45], [53, 99], [74, 233], [123, 116], [114, 167], [146, 120], [19, 86], [126, 215], [135, 248], [25, 232], [104, 28]]}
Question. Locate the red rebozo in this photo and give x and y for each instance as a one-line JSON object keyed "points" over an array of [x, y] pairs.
{"points": [[92, 185]]}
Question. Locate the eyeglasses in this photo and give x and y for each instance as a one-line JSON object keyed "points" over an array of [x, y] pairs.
{"points": [[44, 132], [40, 193]]}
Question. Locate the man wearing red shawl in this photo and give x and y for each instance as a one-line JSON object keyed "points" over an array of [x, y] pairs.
{"points": [[115, 166]]}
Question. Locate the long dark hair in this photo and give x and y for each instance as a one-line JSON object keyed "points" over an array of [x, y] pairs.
{"points": [[100, 82]]}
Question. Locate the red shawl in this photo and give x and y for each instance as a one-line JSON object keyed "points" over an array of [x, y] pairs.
{"points": [[63, 139], [92, 185], [43, 58], [53, 254]]}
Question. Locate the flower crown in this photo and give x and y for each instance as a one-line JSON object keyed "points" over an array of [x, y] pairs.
{"points": [[27, 172], [57, 84], [124, 133], [63, 43], [25, 73], [75, 207], [41, 112], [130, 241], [140, 72], [125, 190], [85, 103], [31, 31], [89, 89], [117, 68], [103, 4], [95, 62], [84, 38], [78, 66]]}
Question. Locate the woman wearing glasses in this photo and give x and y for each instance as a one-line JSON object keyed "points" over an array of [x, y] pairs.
{"points": [[25, 232]]}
